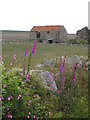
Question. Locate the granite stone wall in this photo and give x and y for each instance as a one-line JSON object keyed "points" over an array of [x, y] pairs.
{"points": [[16, 36]]}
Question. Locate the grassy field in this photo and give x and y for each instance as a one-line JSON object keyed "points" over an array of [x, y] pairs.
{"points": [[43, 51]]}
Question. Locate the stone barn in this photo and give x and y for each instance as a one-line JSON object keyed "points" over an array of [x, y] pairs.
{"points": [[83, 33], [49, 34]]}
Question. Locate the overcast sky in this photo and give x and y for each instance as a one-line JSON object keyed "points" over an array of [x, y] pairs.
{"points": [[24, 14]]}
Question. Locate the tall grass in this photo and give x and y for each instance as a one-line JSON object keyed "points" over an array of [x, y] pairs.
{"points": [[43, 51]]}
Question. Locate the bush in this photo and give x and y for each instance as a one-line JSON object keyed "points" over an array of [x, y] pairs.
{"points": [[21, 97], [76, 41]]}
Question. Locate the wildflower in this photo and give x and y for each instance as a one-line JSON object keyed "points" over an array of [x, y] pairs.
{"points": [[25, 53], [63, 82], [49, 114], [76, 66], [84, 67], [87, 69], [27, 77], [9, 98], [19, 96], [33, 48], [7, 109], [4, 86], [51, 75], [34, 116], [11, 64], [60, 69], [35, 96], [80, 75], [28, 104], [29, 113], [0, 58], [52, 85], [23, 72], [74, 78], [9, 116], [0, 99], [29, 100], [56, 76], [14, 57], [28, 116], [58, 91]]}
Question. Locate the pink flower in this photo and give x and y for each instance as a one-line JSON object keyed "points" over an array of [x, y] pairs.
{"points": [[29, 100], [28, 116], [23, 72], [9, 98], [19, 96], [0, 58], [49, 114], [9, 116], [28, 104], [60, 69], [58, 91], [4, 86], [80, 75], [74, 78], [10, 64], [29, 113], [76, 66], [52, 85], [34, 116], [63, 82], [14, 57], [33, 48], [27, 77], [84, 67], [51, 75], [34, 96], [25, 53], [56, 76], [87, 69], [0, 99], [7, 109]]}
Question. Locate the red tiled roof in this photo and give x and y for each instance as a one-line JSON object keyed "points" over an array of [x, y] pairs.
{"points": [[46, 28]]}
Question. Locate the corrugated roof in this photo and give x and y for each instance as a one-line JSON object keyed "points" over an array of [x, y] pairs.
{"points": [[46, 28]]}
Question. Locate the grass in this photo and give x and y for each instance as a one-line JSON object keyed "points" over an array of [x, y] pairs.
{"points": [[43, 51]]}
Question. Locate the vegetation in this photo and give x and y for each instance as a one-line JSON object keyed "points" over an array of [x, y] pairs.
{"points": [[43, 51], [76, 41], [23, 95]]}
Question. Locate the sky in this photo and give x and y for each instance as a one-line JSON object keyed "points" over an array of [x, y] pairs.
{"points": [[24, 14]]}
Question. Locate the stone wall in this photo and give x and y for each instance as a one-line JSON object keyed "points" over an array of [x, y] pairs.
{"points": [[83, 33], [62, 35], [15, 36]]}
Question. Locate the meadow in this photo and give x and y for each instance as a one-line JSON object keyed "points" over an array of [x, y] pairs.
{"points": [[24, 96], [43, 52]]}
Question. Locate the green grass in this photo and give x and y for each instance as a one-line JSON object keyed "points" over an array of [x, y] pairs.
{"points": [[43, 51]]}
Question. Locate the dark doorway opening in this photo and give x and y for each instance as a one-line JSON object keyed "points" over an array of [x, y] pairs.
{"points": [[38, 34], [50, 41], [40, 41]]}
